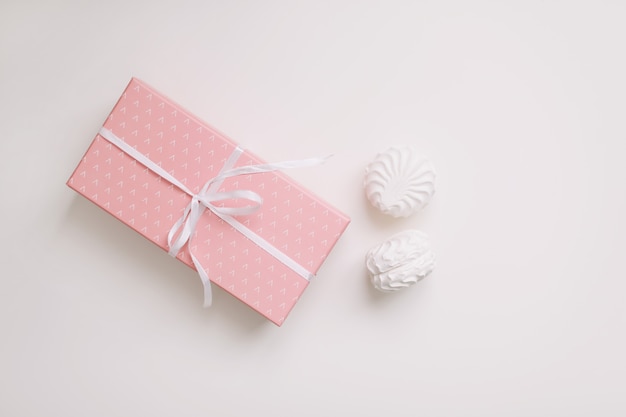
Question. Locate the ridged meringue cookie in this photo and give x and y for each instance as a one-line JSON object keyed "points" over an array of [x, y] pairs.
{"points": [[400, 261], [399, 181]]}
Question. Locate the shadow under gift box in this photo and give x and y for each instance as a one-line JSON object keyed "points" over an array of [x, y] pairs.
{"points": [[291, 219]]}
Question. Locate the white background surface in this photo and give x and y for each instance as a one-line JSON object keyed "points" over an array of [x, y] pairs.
{"points": [[521, 106]]}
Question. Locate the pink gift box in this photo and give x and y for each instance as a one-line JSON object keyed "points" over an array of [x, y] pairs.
{"points": [[264, 258]]}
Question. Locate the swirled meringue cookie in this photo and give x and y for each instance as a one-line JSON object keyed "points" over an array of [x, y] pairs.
{"points": [[400, 261], [399, 182]]}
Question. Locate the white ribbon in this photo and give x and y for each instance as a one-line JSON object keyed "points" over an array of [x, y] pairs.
{"points": [[183, 229]]}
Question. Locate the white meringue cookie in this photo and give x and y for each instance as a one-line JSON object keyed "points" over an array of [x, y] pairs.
{"points": [[400, 261], [399, 182]]}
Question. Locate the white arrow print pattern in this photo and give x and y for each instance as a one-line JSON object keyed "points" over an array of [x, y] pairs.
{"points": [[304, 226]]}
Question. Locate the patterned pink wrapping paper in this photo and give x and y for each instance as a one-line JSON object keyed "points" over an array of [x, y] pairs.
{"points": [[291, 218]]}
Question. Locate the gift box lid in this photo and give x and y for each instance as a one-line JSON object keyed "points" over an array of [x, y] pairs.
{"points": [[265, 258]]}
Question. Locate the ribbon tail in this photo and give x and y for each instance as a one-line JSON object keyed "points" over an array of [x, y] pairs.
{"points": [[206, 282], [261, 168]]}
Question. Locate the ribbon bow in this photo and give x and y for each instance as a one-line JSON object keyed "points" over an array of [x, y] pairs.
{"points": [[183, 229]]}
